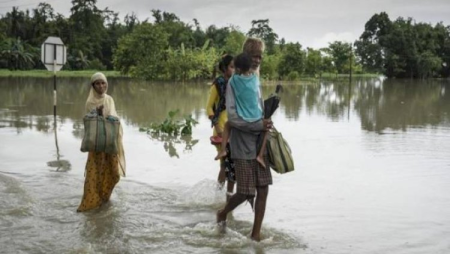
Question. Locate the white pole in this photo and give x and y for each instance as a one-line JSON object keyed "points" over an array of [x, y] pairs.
{"points": [[54, 81]]}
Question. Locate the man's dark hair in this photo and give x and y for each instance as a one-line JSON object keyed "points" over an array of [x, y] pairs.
{"points": [[243, 62]]}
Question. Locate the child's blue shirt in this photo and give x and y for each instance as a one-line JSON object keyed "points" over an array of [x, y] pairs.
{"points": [[247, 93]]}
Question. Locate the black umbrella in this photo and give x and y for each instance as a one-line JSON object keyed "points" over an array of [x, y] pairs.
{"points": [[271, 103]]}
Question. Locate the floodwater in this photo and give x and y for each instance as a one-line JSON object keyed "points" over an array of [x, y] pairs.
{"points": [[372, 172]]}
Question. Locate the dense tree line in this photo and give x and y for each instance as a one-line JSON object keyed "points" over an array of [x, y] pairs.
{"points": [[403, 48], [167, 48]]}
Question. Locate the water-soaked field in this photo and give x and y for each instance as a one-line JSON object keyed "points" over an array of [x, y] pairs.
{"points": [[372, 172]]}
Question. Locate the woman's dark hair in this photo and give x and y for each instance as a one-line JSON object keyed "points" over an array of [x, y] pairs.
{"points": [[243, 62], [224, 62]]}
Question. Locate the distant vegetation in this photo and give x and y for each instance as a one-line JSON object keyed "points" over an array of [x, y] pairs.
{"points": [[63, 73], [167, 48]]}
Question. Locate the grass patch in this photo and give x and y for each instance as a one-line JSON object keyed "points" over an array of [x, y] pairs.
{"points": [[45, 73], [88, 74], [364, 75]]}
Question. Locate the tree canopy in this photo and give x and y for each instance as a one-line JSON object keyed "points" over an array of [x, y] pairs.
{"points": [[404, 48], [163, 47]]}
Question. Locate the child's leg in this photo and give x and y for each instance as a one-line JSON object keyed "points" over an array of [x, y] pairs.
{"points": [[221, 178], [223, 149], [260, 157], [230, 189]]}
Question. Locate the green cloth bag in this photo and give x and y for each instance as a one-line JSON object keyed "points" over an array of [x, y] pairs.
{"points": [[100, 134], [279, 153]]}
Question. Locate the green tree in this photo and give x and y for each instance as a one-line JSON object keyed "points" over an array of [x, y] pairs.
{"points": [[131, 21], [62, 28], [293, 59], [198, 35], [282, 44], [79, 61], [313, 62], [369, 47], [114, 30], [261, 29], [178, 32], [429, 64], [442, 40], [141, 53], [269, 69], [340, 52], [41, 28], [187, 63], [217, 36], [17, 22], [234, 42], [404, 48], [402, 42], [327, 65], [18, 55], [86, 19]]}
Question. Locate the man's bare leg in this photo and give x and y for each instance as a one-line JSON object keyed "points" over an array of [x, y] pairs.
{"points": [[234, 201], [260, 209]]}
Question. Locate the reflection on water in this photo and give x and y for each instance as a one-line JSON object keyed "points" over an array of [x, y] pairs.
{"points": [[379, 104], [59, 164], [170, 143], [401, 104]]}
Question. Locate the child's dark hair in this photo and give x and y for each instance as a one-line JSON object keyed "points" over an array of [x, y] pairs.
{"points": [[243, 62], [225, 61]]}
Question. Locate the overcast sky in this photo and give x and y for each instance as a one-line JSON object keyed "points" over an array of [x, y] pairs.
{"points": [[313, 23]]}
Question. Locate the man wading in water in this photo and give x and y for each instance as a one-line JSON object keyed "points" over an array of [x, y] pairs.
{"points": [[251, 178]]}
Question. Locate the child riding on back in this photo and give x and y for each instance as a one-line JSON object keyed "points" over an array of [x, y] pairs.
{"points": [[246, 87], [216, 109]]}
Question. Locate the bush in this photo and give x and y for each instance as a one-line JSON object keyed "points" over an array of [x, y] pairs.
{"points": [[293, 75], [97, 65]]}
